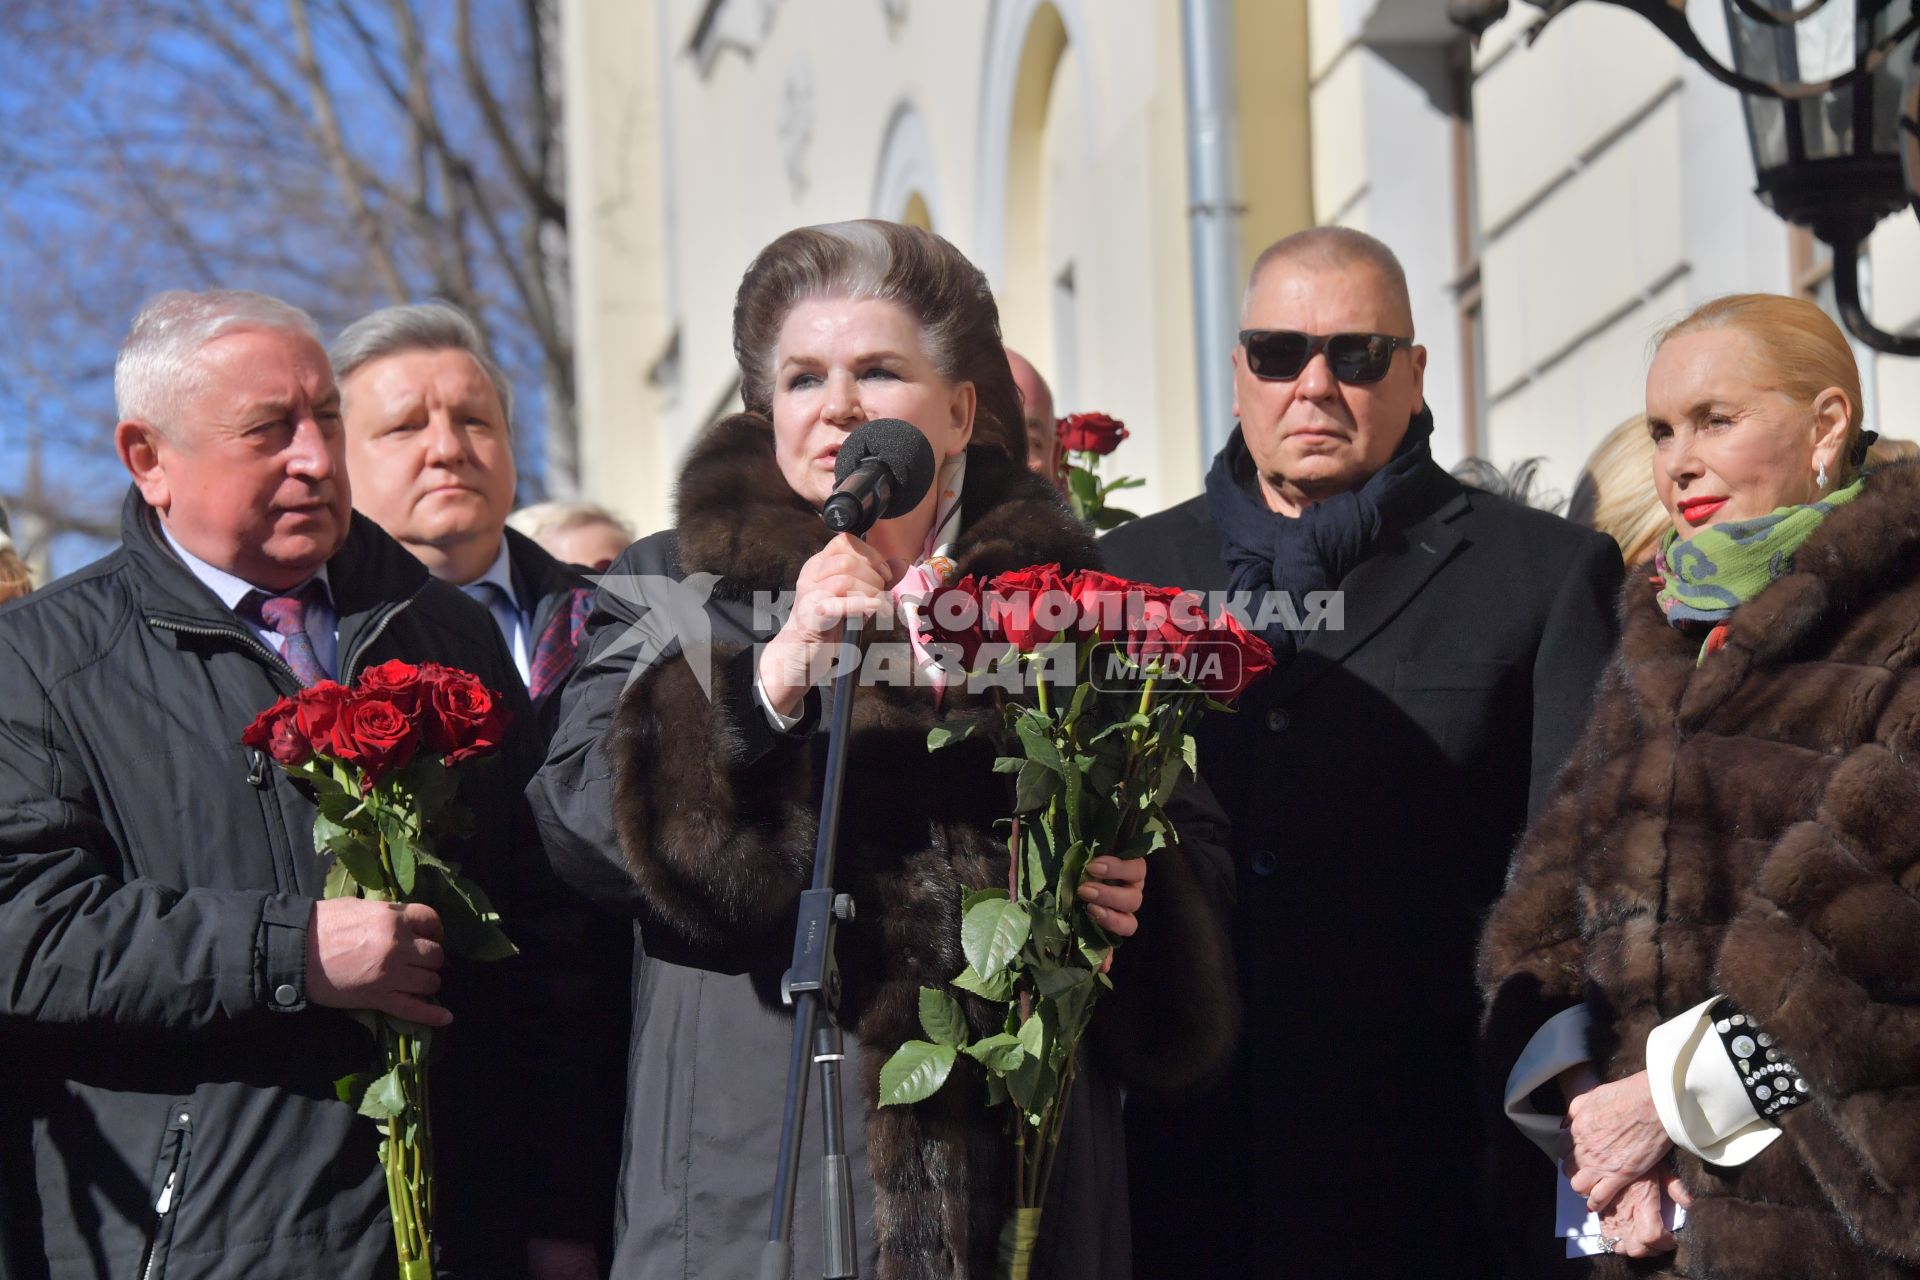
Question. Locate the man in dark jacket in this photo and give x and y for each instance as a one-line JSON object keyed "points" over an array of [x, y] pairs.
{"points": [[172, 983], [429, 433], [1376, 783]]}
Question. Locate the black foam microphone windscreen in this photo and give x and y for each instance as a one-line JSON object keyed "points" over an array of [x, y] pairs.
{"points": [[884, 469]]}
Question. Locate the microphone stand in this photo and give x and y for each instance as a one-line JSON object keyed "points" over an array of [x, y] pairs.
{"points": [[812, 986]]}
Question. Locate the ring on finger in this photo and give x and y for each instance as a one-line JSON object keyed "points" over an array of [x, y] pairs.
{"points": [[1609, 1243]]}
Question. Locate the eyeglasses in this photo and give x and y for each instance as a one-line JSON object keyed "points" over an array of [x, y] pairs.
{"points": [[1278, 355]]}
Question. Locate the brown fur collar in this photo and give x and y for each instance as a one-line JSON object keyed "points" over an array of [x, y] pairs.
{"points": [[737, 517]]}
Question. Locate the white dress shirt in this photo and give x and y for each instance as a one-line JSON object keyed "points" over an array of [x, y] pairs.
{"points": [[494, 589], [323, 623]]}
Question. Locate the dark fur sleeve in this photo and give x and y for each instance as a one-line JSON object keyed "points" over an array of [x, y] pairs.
{"points": [[1825, 954], [1174, 1012], [717, 820], [1532, 951]]}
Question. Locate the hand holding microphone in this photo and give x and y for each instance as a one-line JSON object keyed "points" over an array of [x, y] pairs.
{"points": [[884, 469]]}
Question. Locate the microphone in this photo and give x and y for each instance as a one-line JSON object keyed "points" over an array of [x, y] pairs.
{"points": [[883, 471]]}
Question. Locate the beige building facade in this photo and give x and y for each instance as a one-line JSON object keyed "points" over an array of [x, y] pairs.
{"points": [[1554, 203], [1046, 138]]}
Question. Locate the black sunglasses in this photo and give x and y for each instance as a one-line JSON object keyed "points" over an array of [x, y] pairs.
{"points": [[1278, 355]]}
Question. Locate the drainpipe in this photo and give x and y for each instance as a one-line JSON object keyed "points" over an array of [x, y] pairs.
{"points": [[1213, 211]]}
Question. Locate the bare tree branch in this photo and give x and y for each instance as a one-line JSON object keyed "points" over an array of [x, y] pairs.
{"points": [[532, 185], [335, 147]]}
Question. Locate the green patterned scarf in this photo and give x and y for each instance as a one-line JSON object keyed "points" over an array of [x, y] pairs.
{"points": [[1706, 577]]}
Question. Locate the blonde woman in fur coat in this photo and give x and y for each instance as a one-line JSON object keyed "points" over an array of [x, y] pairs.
{"points": [[1705, 971], [682, 789]]}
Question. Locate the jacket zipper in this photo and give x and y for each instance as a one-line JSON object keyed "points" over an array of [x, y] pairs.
{"points": [[168, 1201], [228, 633], [349, 666]]}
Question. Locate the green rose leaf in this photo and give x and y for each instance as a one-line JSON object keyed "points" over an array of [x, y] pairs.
{"points": [[1056, 982], [1190, 752], [981, 895], [943, 736], [1084, 485], [941, 1019], [1034, 787], [400, 838], [1001, 1053], [1000, 988], [472, 925], [351, 1088], [1033, 1035], [1038, 740], [1112, 517], [1031, 1082], [992, 934], [1169, 779], [384, 1098], [339, 881], [1009, 764], [351, 849], [915, 1072]]}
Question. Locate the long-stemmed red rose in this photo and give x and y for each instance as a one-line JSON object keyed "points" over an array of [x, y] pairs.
{"points": [[1082, 440], [1094, 756], [381, 761]]}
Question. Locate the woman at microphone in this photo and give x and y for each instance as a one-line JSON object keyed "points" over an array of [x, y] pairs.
{"points": [[683, 787]]}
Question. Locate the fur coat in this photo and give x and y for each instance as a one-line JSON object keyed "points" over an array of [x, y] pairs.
{"points": [[717, 817], [1751, 827]]}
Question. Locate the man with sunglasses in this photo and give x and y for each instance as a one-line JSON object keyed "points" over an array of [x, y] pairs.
{"points": [[1376, 781]]}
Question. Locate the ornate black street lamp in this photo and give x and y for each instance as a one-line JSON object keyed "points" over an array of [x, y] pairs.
{"points": [[1833, 113]]}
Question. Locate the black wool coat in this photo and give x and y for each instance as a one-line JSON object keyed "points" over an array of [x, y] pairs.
{"points": [[1375, 785], [1746, 827], [683, 805], [157, 879]]}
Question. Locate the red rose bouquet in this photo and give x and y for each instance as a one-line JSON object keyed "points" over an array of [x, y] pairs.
{"points": [[382, 760], [1119, 673], [1083, 439]]}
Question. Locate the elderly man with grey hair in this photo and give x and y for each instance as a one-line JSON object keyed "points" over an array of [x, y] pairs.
{"points": [[174, 983], [429, 417], [1376, 783]]}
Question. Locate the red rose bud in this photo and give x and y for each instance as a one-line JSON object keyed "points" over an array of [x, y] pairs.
{"points": [[952, 615], [1112, 608], [276, 732], [317, 711], [1173, 629], [461, 717], [1030, 607], [400, 683], [375, 736], [1091, 433], [1255, 659]]}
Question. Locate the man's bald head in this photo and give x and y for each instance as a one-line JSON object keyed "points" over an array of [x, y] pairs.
{"points": [[1340, 250], [1036, 400]]}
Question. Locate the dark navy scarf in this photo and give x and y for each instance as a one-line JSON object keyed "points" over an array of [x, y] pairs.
{"points": [[1266, 551]]}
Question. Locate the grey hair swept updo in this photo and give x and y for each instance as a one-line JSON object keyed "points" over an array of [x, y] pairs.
{"points": [[912, 268]]}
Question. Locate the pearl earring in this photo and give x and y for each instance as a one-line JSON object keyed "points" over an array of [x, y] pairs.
{"points": [[1821, 479]]}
